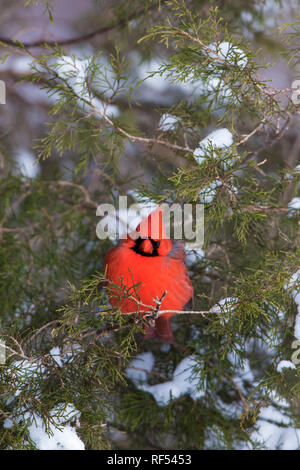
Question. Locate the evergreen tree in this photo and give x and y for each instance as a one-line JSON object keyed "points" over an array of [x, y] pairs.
{"points": [[160, 101]]}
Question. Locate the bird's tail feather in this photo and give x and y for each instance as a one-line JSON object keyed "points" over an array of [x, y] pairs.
{"points": [[163, 329]]}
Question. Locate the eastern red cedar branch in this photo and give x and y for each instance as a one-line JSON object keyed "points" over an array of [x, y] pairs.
{"points": [[44, 43]]}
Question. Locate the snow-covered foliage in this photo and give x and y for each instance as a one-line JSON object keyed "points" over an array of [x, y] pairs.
{"points": [[218, 139], [184, 382]]}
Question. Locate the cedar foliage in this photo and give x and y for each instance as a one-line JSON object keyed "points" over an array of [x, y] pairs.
{"points": [[52, 261]]}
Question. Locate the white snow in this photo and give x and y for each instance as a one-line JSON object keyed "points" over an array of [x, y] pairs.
{"points": [[294, 203], [186, 381], [243, 371], [218, 139], [142, 361], [165, 347], [27, 163], [208, 193], [20, 64], [156, 82], [247, 17], [220, 53], [275, 431], [25, 372], [110, 110], [224, 307], [193, 255], [69, 354], [164, 392], [60, 439], [217, 86], [191, 85], [59, 435], [225, 51], [285, 365], [297, 321], [75, 70], [55, 353], [183, 382], [167, 122]]}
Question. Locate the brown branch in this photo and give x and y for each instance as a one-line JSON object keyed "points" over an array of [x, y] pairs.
{"points": [[265, 209], [239, 391], [134, 138], [44, 43]]}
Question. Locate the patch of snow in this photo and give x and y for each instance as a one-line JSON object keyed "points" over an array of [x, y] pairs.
{"points": [[208, 193], [74, 70], [193, 255], [182, 383], [27, 163], [59, 434], [285, 365], [165, 347], [218, 139], [55, 353], [168, 122], [243, 371], [294, 203], [26, 372], [21, 65], [110, 110], [187, 383], [69, 354], [225, 51], [163, 393], [224, 307], [246, 17], [157, 82], [216, 85], [142, 361], [275, 430]]}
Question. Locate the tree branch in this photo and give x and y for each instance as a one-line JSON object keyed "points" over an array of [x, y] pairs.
{"points": [[44, 43]]}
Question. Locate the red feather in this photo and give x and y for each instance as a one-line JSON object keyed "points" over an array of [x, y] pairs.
{"points": [[155, 263]]}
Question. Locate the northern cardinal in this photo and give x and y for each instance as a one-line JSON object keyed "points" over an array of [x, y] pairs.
{"points": [[157, 263]]}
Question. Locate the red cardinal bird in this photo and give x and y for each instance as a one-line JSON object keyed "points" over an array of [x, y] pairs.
{"points": [[157, 263]]}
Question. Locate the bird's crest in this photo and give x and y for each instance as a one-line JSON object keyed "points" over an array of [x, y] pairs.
{"points": [[152, 226]]}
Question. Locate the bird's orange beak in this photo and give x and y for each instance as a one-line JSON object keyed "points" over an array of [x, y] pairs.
{"points": [[146, 247]]}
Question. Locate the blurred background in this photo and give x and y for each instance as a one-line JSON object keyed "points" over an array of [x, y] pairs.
{"points": [[48, 204], [24, 117]]}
